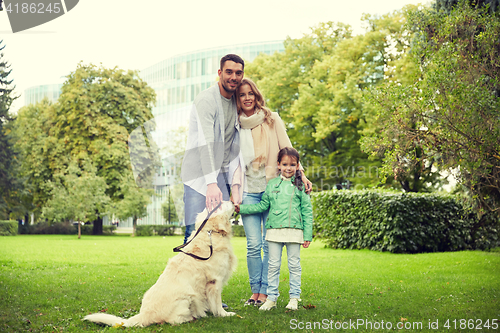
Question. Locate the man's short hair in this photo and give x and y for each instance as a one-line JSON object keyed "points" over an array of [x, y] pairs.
{"points": [[233, 57]]}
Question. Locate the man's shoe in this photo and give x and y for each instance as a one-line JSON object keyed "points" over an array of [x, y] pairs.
{"points": [[293, 304], [224, 306], [268, 305]]}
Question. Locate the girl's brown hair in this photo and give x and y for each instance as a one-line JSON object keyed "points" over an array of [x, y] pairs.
{"points": [[291, 152]]}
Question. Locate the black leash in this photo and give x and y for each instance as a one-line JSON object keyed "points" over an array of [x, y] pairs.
{"points": [[178, 248]]}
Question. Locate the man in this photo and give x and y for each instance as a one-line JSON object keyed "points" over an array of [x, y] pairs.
{"points": [[210, 168]]}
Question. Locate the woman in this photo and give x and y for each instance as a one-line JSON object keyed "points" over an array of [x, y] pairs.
{"points": [[262, 135]]}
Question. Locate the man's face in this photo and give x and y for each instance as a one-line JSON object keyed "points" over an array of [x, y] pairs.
{"points": [[230, 77]]}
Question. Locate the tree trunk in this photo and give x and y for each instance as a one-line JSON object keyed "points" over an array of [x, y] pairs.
{"points": [[134, 224], [97, 230], [79, 229]]}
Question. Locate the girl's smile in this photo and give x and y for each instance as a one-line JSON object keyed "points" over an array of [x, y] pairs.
{"points": [[288, 166]]}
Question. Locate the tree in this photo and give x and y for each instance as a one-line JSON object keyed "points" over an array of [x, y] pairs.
{"points": [[38, 152], [168, 210], [134, 200], [317, 85], [96, 111], [450, 108], [77, 194], [447, 5], [10, 186]]}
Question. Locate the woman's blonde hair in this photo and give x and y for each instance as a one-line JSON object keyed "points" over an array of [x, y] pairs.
{"points": [[260, 103]]}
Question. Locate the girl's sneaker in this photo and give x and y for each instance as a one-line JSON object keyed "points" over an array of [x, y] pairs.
{"points": [[268, 305], [293, 304]]}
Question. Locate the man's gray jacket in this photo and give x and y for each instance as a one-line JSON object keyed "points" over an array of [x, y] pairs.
{"points": [[204, 154]]}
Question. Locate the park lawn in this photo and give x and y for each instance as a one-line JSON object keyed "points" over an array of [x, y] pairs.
{"points": [[48, 283]]}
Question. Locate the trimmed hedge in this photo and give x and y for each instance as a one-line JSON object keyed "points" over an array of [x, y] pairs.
{"points": [[167, 230], [150, 230], [400, 222], [61, 228], [8, 228]]}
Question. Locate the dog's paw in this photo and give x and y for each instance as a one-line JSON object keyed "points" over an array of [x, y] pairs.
{"points": [[227, 314]]}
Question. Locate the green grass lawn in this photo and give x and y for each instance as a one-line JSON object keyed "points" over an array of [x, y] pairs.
{"points": [[48, 283]]}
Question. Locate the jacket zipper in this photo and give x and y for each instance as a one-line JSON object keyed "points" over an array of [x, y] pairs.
{"points": [[290, 209]]}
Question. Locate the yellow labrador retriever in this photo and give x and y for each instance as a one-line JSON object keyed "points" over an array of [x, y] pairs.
{"points": [[188, 287]]}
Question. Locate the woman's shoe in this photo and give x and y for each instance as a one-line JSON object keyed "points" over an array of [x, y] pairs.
{"points": [[260, 301], [249, 302], [268, 305]]}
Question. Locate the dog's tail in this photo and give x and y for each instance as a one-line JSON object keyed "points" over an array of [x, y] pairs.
{"points": [[110, 320]]}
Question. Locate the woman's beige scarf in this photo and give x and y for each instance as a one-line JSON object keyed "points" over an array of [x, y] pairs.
{"points": [[254, 139]]}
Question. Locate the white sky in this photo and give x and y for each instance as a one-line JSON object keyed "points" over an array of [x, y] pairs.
{"points": [[137, 34]]}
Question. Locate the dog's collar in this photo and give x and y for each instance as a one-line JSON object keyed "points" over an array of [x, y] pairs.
{"points": [[218, 232]]}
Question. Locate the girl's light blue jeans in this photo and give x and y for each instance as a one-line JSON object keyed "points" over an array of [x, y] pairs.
{"points": [[293, 253], [257, 250]]}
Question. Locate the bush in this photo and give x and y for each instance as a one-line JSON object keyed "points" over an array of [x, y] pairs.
{"points": [[8, 228], [44, 228], [144, 230], [400, 222], [108, 230], [164, 230], [150, 230], [61, 228], [238, 231]]}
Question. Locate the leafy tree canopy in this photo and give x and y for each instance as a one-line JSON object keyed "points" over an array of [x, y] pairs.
{"points": [[317, 85], [96, 111], [449, 110]]}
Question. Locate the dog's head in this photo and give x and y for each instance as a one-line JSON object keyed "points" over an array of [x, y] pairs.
{"points": [[219, 221]]}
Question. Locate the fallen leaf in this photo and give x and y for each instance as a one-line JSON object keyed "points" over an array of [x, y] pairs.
{"points": [[118, 325]]}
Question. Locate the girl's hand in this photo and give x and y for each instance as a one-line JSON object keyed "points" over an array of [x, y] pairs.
{"points": [[306, 243]]}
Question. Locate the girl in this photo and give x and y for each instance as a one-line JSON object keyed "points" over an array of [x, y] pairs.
{"points": [[289, 223], [262, 135]]}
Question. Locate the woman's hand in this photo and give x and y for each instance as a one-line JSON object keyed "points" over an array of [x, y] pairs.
{"points": [[306, 244], [235, 195], [306, 182]]}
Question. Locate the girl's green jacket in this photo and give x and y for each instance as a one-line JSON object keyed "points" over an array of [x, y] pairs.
{"points": [[288, 207]]}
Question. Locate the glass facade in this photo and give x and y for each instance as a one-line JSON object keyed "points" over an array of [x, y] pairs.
{"points": [[176, 81], [37, 93]]}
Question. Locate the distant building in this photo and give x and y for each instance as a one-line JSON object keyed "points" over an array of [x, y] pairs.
{"points": [[37, 93]]}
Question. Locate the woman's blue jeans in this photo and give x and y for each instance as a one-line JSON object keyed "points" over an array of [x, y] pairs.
{"points": [[257, 248]]}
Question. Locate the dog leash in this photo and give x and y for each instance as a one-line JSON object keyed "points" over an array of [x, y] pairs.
{"points": [[178, 248]]}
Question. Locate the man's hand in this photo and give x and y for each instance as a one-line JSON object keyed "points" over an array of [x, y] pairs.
{"points": [[237, 208], [306, 244], [214, 196]]}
